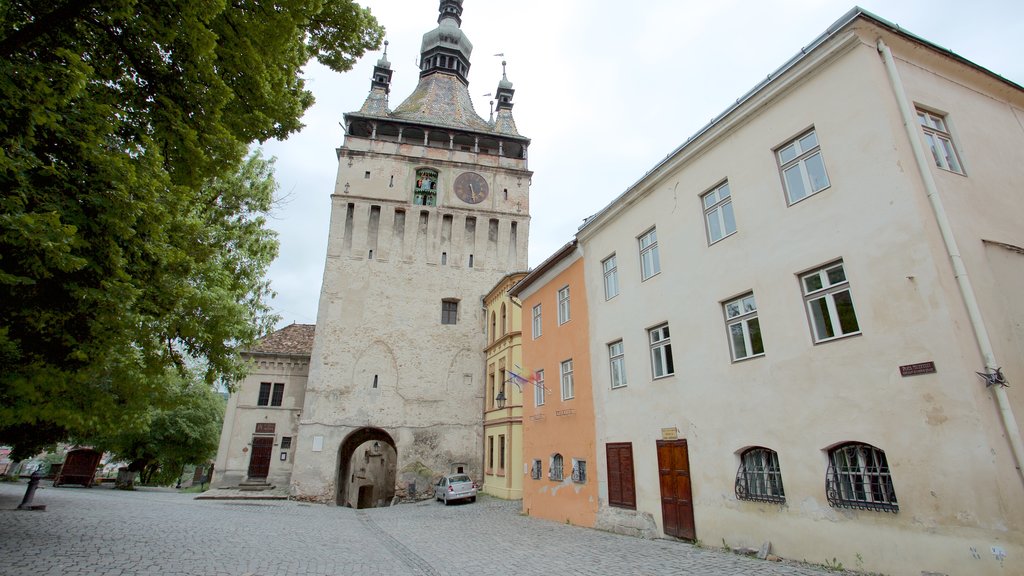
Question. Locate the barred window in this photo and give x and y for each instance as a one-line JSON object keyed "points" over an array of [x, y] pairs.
{"points": [[286, 442], [535, 471], [858, 477], [579, 471], [759, 477], [555, 471], [264, 398]]}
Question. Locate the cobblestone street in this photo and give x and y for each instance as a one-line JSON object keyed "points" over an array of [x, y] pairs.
{"points": [[100, 531]]}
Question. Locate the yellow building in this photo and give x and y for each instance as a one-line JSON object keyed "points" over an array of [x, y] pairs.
{"points": [[503, 400]]}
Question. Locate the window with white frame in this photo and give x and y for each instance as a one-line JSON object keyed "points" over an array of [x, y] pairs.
{"points": [[536, 322], [568, 390], [538, 389], [718, 214], [759, 477], [536, 469], [555, 469], [936, 133], [661, 352], [617, 362], [579, 471], [858, 477], [829, 303], [611, 277], [803, 170], [743, 327], [563, 305], [649, 263]]}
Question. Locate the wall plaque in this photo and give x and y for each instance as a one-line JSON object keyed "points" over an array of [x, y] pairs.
{"points": [[670, 433], [916, 369], [265, 428]]}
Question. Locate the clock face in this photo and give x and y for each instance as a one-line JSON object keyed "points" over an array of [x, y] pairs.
{"points": [[471, 188]]}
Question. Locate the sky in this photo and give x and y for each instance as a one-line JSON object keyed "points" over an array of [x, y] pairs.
{"points": [[604, 89]]}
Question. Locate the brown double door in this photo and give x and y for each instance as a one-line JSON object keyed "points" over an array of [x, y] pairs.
{"points": [[676, 496], [259, 462]]}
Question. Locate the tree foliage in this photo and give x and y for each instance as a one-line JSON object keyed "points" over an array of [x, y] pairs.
{"points": [[183, 429], [132, 230]]}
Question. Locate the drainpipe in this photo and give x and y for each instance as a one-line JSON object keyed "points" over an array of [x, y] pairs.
{"points": [[959, 270]]}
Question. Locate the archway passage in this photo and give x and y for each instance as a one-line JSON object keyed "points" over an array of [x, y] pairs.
{"points": [[367, 468]]}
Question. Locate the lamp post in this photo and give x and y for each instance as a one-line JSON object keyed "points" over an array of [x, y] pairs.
{"points": [[500, 399]]}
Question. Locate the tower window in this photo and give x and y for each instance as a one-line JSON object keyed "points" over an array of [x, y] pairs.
{"points": [[367, 175], [449, 311], [425, 190]]}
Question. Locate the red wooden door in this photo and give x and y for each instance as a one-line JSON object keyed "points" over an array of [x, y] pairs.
{"points": [[621, 489], [676, 496], [259, 462]]}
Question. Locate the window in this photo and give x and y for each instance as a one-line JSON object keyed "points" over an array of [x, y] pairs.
{"points": [[759, 477], [555, 471], [829, 303], [718, 213], [536, 322], [264, 399], [490, 453], [803, 170], [661, 352], [501, 452], [858, 477], [504, 320], [535, 470], [563, 305], [579, 471], [621, 489], [538, 389], [494, 326], [278, 396], [449, 312], [567, 385], [649, 264], [286, 442], [611, 277], [743, 327], [617, 360], [939, 141], [425, 192]]}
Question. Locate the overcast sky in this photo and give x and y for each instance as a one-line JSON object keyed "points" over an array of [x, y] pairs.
{"points": [[604, 89]]}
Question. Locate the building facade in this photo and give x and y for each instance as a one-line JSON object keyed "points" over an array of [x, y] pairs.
{"points": [[430, 209], [811, 304], [558, 427], [503, 399], [261, 420]]}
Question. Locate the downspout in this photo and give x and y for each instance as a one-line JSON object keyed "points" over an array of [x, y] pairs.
{"points": [[959, 270]]}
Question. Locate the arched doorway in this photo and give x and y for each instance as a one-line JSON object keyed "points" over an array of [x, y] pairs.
{"points": [[367, 469]]}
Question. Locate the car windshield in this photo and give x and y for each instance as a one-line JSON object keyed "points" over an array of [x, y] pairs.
{"points": [[460, 478]]}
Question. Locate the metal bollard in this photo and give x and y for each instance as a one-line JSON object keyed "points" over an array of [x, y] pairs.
{"points": [[30, 492]]}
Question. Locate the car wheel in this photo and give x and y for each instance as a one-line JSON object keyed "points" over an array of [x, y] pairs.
{"points": [[472, 498], [446, 500]]}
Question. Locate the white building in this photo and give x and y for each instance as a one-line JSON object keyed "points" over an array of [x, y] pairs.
{"points": [[803, 295]]}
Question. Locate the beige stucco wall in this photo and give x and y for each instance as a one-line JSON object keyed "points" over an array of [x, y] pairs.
{"points": [[958, 492], [381, 357], [242, 415]]}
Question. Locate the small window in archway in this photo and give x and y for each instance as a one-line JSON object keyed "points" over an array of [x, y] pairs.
{"points": [[555, 472], [425, 191], [858, 477], [759, 477]]}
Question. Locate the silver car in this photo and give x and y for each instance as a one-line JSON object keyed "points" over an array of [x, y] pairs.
{"points": [[455, 487]]}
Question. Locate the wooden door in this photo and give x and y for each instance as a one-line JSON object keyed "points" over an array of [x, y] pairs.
{"points": [[676, 496], [259, 462], [621, 489]]}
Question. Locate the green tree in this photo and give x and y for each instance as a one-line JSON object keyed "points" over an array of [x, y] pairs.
{"points": [[131, 224], [183, 429]]}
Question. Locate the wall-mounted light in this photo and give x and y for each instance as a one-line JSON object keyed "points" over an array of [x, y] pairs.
{"points": [[500, 399]]}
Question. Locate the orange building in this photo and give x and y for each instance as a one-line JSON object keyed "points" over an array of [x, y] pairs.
{"points": [[559, 455]]}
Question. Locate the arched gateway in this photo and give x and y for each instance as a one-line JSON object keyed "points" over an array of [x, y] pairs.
{"points": [[366, 469]]}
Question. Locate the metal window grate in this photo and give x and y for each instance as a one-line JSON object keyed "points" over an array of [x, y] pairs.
{"points": [[535, 472], [759, 477], [858, 477]]}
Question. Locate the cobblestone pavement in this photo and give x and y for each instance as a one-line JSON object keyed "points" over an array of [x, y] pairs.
{"points": [[100, 531]]}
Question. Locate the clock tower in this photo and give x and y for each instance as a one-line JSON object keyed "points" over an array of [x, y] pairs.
{"points": [[430, 210]]}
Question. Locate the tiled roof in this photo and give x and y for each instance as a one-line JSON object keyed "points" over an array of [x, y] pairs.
{"points": [[441, 99], [295, 339], [376, 103]]}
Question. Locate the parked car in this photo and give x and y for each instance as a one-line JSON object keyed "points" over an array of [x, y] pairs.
{"points": [[455, 487]]}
